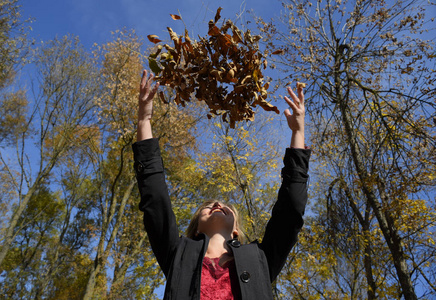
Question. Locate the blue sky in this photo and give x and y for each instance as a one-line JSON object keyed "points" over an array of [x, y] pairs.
{"points": [[93, 20]]}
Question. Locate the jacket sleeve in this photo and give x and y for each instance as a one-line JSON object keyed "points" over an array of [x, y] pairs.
{"points": [[287, 214], [159, 219]]}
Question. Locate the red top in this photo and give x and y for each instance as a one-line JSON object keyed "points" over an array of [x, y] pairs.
{"points": [[219, 282]]}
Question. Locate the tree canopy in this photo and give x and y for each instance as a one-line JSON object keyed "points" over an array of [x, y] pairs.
{"points": [[370, 68]]}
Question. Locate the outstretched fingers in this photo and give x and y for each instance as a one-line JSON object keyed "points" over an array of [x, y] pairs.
{"points": [[291, 103], [146, 92], [154, 90], [294, 102], [296, 99], [295, 116]]}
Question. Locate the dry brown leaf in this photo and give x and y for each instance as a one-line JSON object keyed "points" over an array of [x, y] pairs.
{"points": [[173, 35], [218, 14], [237, 37], [268, 106], [280, 51], [175, 17], [213, 30], [153, 38], [222, 69]]}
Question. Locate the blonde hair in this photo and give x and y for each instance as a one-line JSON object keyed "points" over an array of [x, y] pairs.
{"points": [[191, 231]]}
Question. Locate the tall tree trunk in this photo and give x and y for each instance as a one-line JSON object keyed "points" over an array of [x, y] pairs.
{"points": [[13, 223], [364, 222], [90, 285], [367, 261], [45, 279], [390, 234], [120, 272], [102, 251], [9, 235]]}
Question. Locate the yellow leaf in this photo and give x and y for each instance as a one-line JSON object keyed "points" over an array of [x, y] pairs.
{"points": [[301, 85], [255, 74]]}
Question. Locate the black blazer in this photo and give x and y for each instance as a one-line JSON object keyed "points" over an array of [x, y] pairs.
{"points": [[257, 263]]}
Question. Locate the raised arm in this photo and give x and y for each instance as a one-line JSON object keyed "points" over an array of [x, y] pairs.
{"points": [[287, 215], [159, 219]]}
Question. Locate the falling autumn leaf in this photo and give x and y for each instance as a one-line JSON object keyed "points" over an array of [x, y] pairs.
{"points": [[153, 38], [280, 51], [154, 66], [173, 35], [175, 17], [223, 69], [213, 30], [218, 14]]}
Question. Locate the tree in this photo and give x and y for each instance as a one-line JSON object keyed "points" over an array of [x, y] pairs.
{"points": [[61, 107], [13, 49], [371, 98], [13, 42], [86, 127], [120, 228], [242, 167]]}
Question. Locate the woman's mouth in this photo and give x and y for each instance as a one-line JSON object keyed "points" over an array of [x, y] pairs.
{"points": [[217, 209]]}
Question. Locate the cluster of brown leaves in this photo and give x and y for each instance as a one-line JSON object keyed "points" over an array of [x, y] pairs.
{"points": [[223, 69]]}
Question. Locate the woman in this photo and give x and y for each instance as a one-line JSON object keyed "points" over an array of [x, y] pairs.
{"points": [[211, 263]]}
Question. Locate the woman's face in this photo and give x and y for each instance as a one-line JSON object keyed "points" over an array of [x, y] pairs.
{"points": [[216, 217]]}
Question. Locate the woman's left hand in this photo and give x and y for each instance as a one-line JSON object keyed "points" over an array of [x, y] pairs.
{"points": [[296, 118]]}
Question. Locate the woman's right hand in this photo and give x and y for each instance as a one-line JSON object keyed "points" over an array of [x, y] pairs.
{"points": [[145, 106], [146, 95]]}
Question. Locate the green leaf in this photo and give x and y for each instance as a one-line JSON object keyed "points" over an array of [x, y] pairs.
{"points": [[154, 66]]}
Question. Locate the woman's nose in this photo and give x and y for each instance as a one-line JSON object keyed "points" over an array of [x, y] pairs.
{"points": [[217, 204]]}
